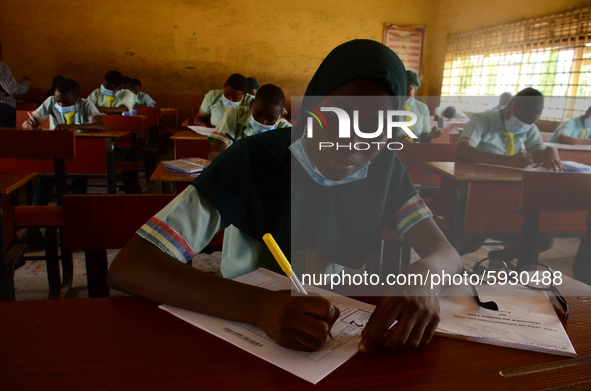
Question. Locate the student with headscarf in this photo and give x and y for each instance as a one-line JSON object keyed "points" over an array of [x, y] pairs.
{"points": [[331, 201]]}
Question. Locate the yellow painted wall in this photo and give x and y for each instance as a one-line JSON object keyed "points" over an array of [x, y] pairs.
{"points": [[188, 46]]}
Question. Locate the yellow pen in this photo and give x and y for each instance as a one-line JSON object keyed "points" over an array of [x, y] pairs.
{"points": [[285, 265]]}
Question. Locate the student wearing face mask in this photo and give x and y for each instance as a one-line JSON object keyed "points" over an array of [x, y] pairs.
{"points": [[110, 98], [341, 212], [574, 131], [499, 136], [216, 102], [264, 114], [66, 111], [422, 128]]}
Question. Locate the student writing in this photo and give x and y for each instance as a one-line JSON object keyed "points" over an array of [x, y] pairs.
{"points": [[216, 102], [574, 131], [110, 98], [141, 98], [422, 128]]}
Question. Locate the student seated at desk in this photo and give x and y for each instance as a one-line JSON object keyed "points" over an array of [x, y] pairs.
{"points": [[249, 186], [141, 98], [574, 130], [66, 111], [264, 114], [216, 102], [504, 98], [253, 86], [449, 113], [126, 84], [508, 137], [110, 98], [422, 128]]}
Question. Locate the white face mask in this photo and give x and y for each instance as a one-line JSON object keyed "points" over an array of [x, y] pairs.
{"points": [[587, 122], [259, 127], [515, 126], [106, 92], [300, 151], [228, 103]]}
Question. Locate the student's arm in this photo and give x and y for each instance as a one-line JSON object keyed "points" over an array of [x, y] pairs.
{"points": [[300, 323], [216, 148], [10, 85], [113, 110], [415, 307], [203, 116], [564, 139], [37, 116], [469, 154], [548, 157], [96, 124]]}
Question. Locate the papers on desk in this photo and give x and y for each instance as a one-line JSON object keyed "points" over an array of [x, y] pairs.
{"points": [[568, 167], [310, 366], [525, 319], [202, 130], [570, 147], [187, 165]]}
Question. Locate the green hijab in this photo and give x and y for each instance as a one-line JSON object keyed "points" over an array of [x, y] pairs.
{"points": [[252, 183]]}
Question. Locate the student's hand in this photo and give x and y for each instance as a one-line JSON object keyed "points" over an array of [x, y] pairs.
{"points": [[26, 78], [298, 322], [201, 123], [436, 132], [284, 112], [417, 312], [31, 124], [66, 127], [520, 160], [549, 158]]}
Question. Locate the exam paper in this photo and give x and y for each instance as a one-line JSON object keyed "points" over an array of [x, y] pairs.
{"points": [[310, 366], [202, 130], [525, 320]]}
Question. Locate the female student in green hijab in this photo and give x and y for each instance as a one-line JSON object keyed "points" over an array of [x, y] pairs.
{"points": [[339, 206]]}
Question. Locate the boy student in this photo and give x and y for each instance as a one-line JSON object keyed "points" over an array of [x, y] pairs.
{"points": [[253, 86], [216, 102], [126, 84], [264, 114], [422, 128], [508, 137], [141, 98], [574, 131], [66, 111], [110, 98], [449, 113], [335, 192]]}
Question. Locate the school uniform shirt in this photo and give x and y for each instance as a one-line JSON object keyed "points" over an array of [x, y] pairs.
{"points": [[85, 111], [574, 127], [213, 107], [423, 124], [10, 87], [485, 132], [234, 125], [122, 97], [142, 99]]}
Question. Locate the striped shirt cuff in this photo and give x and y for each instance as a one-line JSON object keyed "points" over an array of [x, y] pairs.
{"points": [[203, 113], [536, 147], [467, 139], [162, 235], [411, 213], [223, 137]]}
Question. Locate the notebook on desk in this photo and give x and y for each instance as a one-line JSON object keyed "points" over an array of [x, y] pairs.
{"points": [[187, 165]]}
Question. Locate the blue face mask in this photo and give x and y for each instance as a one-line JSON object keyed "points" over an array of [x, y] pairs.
{"points": [[64, 110], [587, 122], [515, 126], [300, 151], [228, 103], [259, 127], [106, 92]]}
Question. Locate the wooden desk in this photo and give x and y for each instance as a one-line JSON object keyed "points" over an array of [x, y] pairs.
{"points": [[413, 156], [128, 343], [180, 180], [9, 182], [190, 144], [575, 153], [481, 201]]}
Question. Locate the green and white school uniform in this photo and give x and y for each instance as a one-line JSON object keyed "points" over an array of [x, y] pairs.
{"points": [[423, 124], [83, 114], [143, 99], [213, 105], [122, 97], [574, 127]]}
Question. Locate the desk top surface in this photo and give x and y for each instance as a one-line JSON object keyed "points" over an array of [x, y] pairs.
{"points": [[164, 174], [105, 134], [128, 343], [10, 181], [475, 172], [569, 147], [187, 135]]}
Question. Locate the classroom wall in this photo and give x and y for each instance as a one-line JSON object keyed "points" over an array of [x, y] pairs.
{"points": [[185, 47]]}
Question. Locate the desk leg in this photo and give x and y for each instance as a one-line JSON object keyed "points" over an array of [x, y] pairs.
{"points": [[6, 285], [110, 154], [459, 214], [529, 237], [96, 273]]}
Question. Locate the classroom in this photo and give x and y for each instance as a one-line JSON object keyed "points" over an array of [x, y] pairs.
{"points": [[141, 249]]}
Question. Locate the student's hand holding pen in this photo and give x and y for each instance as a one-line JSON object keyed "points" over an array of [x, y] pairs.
{"points": [[549, 158], [520, 160], [297, 322], [32, 123]]}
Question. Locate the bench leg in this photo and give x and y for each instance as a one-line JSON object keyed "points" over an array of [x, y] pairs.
{"points": [[52, 263], [96, 273]]}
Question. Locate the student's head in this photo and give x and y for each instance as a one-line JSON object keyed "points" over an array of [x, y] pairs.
{"points": [[379, 74], [413, 83], [587, 113], [505, 98], [268, 104], [113, 80], [136, 86], [126, 83], [253, 85], [56, 80], [67, 93], [526, 106], [449, 112], [235, 87]]}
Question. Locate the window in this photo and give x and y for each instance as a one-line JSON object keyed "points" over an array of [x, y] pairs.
{"points": [[551, 54]]}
